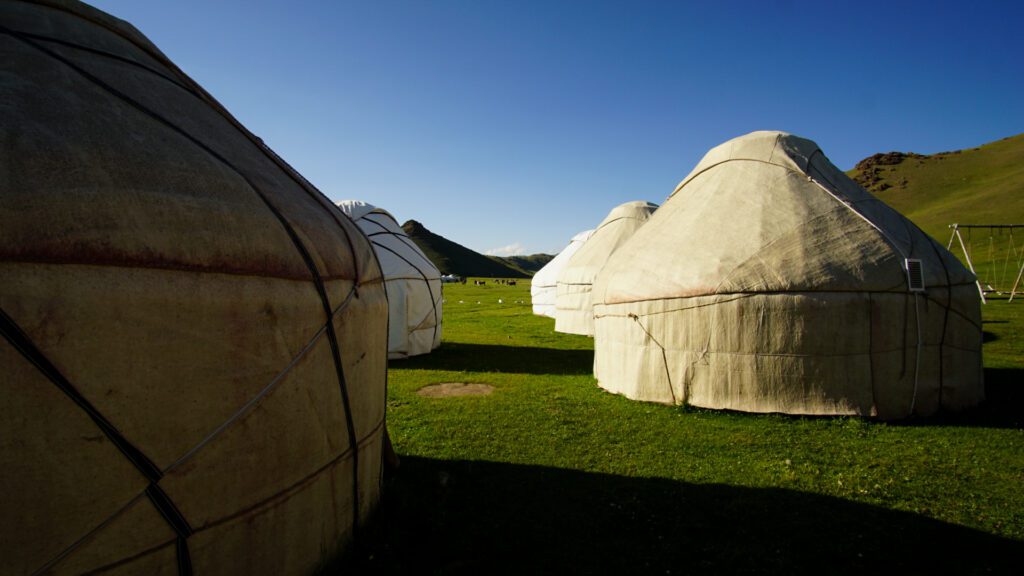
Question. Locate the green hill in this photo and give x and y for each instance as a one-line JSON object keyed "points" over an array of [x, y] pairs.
{"points": [[983, 185], [452, 258]]}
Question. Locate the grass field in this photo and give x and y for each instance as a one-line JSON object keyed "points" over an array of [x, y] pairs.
{"points": [[550, 474]]}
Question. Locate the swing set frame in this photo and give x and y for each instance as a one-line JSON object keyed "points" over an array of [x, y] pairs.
{"points": [[967, 253]]}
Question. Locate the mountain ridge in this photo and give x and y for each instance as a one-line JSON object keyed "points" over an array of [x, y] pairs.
{"points": [[980, 185], [453, 258]]}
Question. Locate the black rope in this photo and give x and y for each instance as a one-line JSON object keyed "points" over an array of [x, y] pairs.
{"points": [[945, 318], [404, 238], [871, 349], [149, 470], [28, 350], [110, 55], [300, 247], [430, 291], [170, 513]]}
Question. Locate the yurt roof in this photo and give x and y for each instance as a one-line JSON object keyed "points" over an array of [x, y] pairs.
{"points": [[399, 256], [548, 275], [616, 228], [768, 212]]}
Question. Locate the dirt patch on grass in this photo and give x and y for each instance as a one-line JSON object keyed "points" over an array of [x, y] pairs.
{"points": [[448, 389]]}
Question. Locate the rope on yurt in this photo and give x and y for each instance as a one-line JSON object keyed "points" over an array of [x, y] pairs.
{"points": [[249, 404], [947, 308], [917, 355], [194, 89], [386, 449], [111, 55], [404, 239], [146, 467], [286, 225], [430, 291], [892, 243], [664, 358]]}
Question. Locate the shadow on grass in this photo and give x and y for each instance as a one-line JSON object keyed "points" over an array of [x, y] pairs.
{"points": [[458, 356], [987, 337], [1004, 399], [1003, 406], [462, 517]]}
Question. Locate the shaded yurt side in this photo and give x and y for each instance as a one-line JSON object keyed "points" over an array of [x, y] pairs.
{"points": [[574, 313], [545, 281], [194, 338], [771, 282], [413, 282]]}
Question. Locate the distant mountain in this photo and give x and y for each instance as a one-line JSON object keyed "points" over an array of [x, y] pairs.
{"points": [[452, 258], [529, 265], [983, 185]]}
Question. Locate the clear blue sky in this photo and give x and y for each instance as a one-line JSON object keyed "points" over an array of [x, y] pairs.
{"points": [[520, 123]]}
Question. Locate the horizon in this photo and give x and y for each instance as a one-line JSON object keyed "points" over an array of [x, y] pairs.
{"points": [[508, 128]]}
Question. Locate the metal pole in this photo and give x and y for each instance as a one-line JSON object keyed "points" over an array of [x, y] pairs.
{"points": [[969, 265], [1017, 283]]}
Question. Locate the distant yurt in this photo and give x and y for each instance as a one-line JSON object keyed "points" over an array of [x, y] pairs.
{"points": [[574, 312], [544, 283], [771, 282], [413, 282], [194, 339]]}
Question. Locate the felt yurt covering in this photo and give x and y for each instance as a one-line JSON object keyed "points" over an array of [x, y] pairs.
{"points": [[544, 283], [413, 282], [574, 312], [194, 339], [770, 282]]}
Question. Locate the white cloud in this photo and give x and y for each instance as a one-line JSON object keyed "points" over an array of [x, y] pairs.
{"points": [[513, 249]]}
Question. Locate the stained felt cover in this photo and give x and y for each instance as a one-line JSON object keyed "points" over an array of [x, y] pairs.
{"points": [[194, 337]]}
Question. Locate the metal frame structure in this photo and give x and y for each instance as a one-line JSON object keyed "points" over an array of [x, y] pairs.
{"points": [[967, 254]]}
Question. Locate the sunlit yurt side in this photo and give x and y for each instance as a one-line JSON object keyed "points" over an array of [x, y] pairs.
{"points": [[194, 340], [771, 282], [544, 283], [574, 313], [413, 282]]}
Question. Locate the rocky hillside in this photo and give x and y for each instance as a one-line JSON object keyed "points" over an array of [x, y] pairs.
{"points": [[983, 185]]}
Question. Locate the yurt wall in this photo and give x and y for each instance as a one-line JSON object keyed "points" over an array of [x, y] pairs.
{"points": [[194, 338], [543, 287], [413, 282], [574, 311], [771, 282]]}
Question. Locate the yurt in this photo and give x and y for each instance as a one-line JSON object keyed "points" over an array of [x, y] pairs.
{"points": [[770, 282], [194, 339], [413, 282], [544, 283], [574, 312]]}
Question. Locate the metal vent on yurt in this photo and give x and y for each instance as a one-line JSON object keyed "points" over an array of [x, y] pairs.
{"points": [[915, 275]]}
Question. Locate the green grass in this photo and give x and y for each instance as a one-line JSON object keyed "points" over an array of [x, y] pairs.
{"points": [[551, 474]]}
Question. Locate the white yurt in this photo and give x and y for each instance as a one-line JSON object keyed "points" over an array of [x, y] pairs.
{"points": [[574, 312], [194, 339], [413, 282], [544, 283], [769, 281]]}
